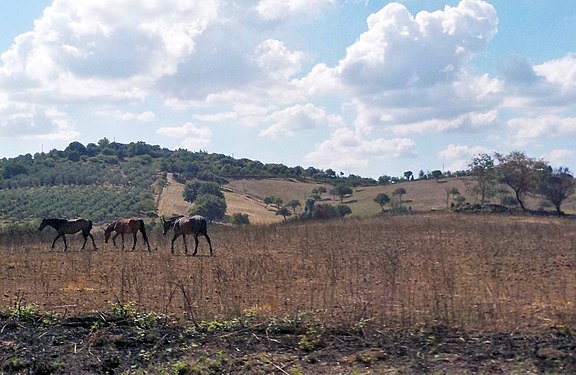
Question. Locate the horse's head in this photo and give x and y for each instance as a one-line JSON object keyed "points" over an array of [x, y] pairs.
{"points": [[43, 224], [168, 224], [108, 231]]}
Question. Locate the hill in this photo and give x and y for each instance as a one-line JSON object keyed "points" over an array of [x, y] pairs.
{"points": [[108, 180]]}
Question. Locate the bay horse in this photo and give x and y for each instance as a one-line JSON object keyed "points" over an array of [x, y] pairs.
{"points": [[128, 225], [183, 225], [64, 227]]}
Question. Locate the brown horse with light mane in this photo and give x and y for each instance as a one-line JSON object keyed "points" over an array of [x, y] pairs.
{"points": [[64, 227], [183, 225], [129, 225]]}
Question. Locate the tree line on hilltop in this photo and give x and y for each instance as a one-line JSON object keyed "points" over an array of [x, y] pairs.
{"points": [[106, 179]]}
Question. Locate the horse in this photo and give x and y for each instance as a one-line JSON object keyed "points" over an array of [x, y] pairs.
{"points": [[64, 227], [130, 225], [183, 225]]}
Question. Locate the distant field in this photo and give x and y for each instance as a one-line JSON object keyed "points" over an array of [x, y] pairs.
{"points": [[246, 196]]}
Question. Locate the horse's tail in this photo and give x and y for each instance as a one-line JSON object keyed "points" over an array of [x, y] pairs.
{"points": [[203, 228], [89, 227]]}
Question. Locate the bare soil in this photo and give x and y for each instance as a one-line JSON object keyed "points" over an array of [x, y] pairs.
{"points": [[107, 345]]}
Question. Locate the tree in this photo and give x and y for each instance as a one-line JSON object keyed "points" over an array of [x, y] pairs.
{"points": [[309, 206], [485, 174], [437, 174], [384, 180], [269, 200], [557, 185], [195, 188], [382, 199], [293, 204], [210, 206], [409, 175], [343, 210], [318, 191], [239, 218], [341, 191], [451, 191], [520, 173], [399, 193], [284, 212]]}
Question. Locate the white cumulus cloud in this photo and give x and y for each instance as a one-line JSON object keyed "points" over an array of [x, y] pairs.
{"points": [[193, 137]]}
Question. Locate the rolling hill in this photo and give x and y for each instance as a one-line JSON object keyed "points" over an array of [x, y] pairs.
{"points": [[247, 196]]}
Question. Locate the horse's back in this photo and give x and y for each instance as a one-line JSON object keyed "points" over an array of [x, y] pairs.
{"points": [[128, 224], [192, 224]]}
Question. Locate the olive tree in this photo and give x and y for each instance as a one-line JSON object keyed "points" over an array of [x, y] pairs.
{"points": [[521, 173], [557, 185], [485, 174]]}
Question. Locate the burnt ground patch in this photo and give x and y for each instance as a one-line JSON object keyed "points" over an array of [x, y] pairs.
{"points": [[111, 345]]}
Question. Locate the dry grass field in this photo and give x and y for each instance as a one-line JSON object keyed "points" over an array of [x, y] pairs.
{"points": [[424, 292], [468, 273], [481, 272]]}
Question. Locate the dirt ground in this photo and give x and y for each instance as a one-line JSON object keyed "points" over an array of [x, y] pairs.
{"points": [[104, 345]]}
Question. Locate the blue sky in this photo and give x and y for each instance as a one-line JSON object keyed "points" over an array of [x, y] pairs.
{"points": [[360, 86]]}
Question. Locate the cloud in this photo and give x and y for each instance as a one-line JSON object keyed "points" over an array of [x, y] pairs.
{"points": [[145, 116], [35, 122], [457, 157], [399, 50], [518, 70], [410, 74], [193, 137], [530, 130], [273, 10], [290, 121], [104, 48], [561, 157], [217, 117], [346, 149], [545, 88]]}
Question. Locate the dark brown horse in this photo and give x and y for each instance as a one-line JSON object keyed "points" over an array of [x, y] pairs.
{"points": [[183, 225], [64, 227], [129, 225]]}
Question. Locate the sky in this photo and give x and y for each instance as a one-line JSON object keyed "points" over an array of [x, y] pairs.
{"points": [[363, 87]]}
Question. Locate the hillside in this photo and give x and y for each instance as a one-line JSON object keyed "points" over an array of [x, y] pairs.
{"points": [[247, 196], [108, 180]]}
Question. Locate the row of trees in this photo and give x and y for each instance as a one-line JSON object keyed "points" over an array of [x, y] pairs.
{"points": [[524, 175]]}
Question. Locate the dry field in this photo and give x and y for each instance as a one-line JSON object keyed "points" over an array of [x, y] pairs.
{"points": [[471, 273]]}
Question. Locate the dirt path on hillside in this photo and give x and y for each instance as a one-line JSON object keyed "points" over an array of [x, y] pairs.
{"points": [[171, 201]]}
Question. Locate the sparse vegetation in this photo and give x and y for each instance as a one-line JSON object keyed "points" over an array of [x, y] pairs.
{"points": [[435, 292], [356, 279]]}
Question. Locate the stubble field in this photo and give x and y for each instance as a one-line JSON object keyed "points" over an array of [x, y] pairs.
{"points": [[415, 293]]}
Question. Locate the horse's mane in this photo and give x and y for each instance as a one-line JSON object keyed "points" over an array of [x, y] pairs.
{"points": [[175, 217]]}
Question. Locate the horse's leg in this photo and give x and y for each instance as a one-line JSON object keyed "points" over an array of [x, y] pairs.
{"points": [[65, 244], [122, 241], [143, 231], [185, 244], [174, 239], [114, 239], [196, 241], [58, 236], [134, 245], [209, 242], [85, 239], [92, 238]]}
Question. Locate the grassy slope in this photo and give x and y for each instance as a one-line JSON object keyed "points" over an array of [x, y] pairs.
{"points": [[246, 196]]}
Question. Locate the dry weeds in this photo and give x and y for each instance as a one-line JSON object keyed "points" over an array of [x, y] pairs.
{"points": [[470, 271]]}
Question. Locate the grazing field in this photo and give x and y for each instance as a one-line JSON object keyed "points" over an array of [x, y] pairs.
{"points": [[446, 276]]}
